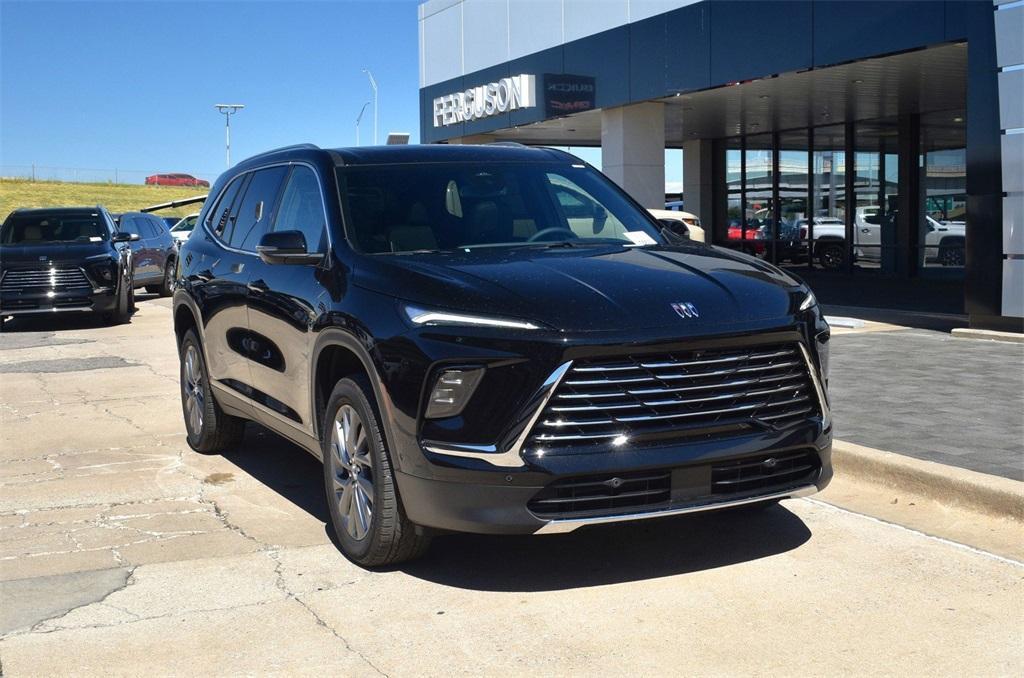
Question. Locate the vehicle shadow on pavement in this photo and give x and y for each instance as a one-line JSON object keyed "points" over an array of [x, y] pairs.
{"points": [[592, 556], [610, 554], [61, 322], [283, 467]]}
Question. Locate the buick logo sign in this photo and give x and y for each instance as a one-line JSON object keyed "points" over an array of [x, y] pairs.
{"points": [[685, 310], [770, 463]]}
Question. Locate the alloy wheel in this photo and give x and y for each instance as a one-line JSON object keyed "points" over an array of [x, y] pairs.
{"points": [[195, 398], [352, 472]]}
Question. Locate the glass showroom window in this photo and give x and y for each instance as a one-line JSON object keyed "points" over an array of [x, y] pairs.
{"points": [[792, 244], [757, 184], [943, 224]]}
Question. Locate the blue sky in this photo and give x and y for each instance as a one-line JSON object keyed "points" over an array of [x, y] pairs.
{"points": [[131, 85]]}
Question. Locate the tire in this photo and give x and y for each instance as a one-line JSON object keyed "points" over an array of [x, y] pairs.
{"points": [[153, 289], [951, 254], [125, 305], [208, 428], [366, 512], [166, 286], [832, 256]]}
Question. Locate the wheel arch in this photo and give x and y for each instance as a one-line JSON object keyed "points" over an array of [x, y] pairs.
{"points": [[339, 354]]}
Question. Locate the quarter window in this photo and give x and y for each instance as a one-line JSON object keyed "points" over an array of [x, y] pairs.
{"points": [[302, 208], [221, 217]]}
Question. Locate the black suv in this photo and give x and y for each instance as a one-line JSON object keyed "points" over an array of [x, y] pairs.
{"points": [[492, 339], [154, 250], [65, 259]]}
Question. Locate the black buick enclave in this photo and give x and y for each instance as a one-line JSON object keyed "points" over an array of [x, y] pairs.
{"points": [[65, 259], [492, 339]]}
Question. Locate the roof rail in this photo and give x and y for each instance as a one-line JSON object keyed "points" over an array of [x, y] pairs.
{"points": [[293, 147], [506, 143]]}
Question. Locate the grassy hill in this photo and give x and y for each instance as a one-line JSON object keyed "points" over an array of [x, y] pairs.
{"points": [[16, 193]]}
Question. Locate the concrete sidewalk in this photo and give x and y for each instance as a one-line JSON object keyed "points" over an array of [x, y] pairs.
{"points": [[931, 396]]}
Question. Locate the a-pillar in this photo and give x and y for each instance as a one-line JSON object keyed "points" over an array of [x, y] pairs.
{"points": [[633, 150]]}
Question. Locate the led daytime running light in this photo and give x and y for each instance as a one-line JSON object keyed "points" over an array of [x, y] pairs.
{"points": [[421, 316]]}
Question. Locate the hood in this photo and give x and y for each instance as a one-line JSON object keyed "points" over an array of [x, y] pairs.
{"points": [[589, 288], [17, 256]]}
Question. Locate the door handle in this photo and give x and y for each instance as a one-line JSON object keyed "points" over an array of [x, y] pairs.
{"points": [[257, 287]]}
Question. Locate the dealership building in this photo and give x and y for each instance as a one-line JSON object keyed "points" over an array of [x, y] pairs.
{"points": [[874, 147]]}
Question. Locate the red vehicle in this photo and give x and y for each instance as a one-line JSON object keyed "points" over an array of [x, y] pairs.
{"points": [[754, 244], [176, 180]]}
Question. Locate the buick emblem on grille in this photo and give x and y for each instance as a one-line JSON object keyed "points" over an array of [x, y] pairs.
{"points": [[770, 462], [685, 309]]}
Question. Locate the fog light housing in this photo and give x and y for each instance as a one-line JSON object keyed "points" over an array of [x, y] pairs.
{"points": [[452, 390]]}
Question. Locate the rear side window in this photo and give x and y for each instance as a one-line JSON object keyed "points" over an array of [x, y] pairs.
{"points": [[159, 226], [255, 213], [128, 225], [221, 216], [302, 208]]}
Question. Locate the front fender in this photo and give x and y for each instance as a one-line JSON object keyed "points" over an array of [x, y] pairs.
{"points": [[334, 336]]}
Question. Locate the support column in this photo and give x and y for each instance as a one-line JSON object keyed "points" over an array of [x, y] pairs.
{"points": [[698, 183], [633, 151]]}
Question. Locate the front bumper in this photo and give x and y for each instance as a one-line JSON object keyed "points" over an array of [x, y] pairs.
{"points": [[497, 502], [29, 302]]}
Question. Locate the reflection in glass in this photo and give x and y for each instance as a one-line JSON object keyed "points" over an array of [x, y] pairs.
{"points": [[757, 212], [792, 243], [876, 183], [828, 229], [943, 224]]}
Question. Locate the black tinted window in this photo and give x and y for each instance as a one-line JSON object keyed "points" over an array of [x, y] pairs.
{"points": [[254, 215], [129, 225], [221, 217], [408, 208], [302, 208], [32, 229]]}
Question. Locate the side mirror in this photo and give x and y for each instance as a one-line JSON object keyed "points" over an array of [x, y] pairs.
{"points": [[675, 227], [121, 236], [286, 247]]}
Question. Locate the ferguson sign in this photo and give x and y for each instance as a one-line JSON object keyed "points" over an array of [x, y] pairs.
{"points": [[503, 96]]}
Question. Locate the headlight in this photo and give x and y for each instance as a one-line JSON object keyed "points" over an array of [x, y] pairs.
{"points": [[809, 302], [421, 316]]}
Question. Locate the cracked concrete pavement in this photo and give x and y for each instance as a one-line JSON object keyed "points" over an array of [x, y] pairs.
{"points": [[123, 552]]}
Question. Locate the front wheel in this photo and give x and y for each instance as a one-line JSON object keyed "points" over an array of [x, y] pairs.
{"points": [[122, 313], [366, 512], [832, 256]]}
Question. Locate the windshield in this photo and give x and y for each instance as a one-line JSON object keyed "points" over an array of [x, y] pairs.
{"points": [[185, 225], [40, 229], [447, 206]]}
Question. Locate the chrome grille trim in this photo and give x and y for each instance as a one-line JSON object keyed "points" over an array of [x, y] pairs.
{"points": [[685, 393], [50, 278]]}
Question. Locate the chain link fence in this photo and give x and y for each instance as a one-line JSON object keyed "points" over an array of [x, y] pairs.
{"points": [[89, 175]]}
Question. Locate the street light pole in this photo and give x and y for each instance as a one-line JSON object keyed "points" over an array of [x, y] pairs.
{"points": [[373, 84], [228, 110], [358, 118]]}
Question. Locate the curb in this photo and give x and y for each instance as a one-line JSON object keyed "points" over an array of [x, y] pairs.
{"points": [[990, 335], [942, 483]]}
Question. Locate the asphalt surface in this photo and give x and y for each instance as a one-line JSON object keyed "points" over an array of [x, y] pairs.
{"points": [[122, 552], [930, 396]]}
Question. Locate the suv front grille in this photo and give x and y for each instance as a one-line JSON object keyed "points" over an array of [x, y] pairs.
{"points": [[594, 495], [44, 278], [701, 484], [742, 476], [674, 395]]}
